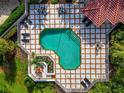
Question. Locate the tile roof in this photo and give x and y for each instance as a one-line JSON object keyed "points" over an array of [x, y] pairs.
{"points": [[101, 10]]}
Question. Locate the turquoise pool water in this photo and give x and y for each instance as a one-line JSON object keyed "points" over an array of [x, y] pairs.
{"points": [[65, 43]]}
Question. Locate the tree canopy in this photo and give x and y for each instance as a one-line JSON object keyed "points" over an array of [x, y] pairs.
{"points": [[4, 46], [6, 49]]}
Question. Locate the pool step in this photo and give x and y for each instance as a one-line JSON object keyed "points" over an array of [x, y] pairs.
{"points": [[74, 38]]}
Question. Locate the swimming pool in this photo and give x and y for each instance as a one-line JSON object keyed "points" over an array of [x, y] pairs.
{"points": [[65, 43]]}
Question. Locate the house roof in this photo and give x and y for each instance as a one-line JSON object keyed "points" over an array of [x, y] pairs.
{"points": [[99, 11]]}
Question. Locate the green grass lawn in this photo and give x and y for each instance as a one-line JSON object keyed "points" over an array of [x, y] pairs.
{"points": [[17, 86]]}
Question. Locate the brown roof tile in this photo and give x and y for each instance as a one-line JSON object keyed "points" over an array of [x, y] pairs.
{"points": [[101, 10]]}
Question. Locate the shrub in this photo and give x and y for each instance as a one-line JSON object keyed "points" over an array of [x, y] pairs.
{"points": [[5, 89], [28, 82], [54, 1], [35, 1]]}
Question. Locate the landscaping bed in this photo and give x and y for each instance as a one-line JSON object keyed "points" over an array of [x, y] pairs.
{"points": [[45, 59]]}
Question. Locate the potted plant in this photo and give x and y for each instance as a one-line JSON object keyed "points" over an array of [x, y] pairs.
{"points": [[33, 54]]}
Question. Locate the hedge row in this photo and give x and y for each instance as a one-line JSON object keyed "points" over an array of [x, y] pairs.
{"points": [[35, 1], [10, 33], [15, 14], [54, 1], [38, 1]]}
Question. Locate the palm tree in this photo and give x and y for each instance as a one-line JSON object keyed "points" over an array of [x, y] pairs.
{"points": [[117, 58], [117, 41]]}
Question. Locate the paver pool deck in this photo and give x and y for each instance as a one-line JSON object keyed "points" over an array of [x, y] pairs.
{"points": [[94, 65]]}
